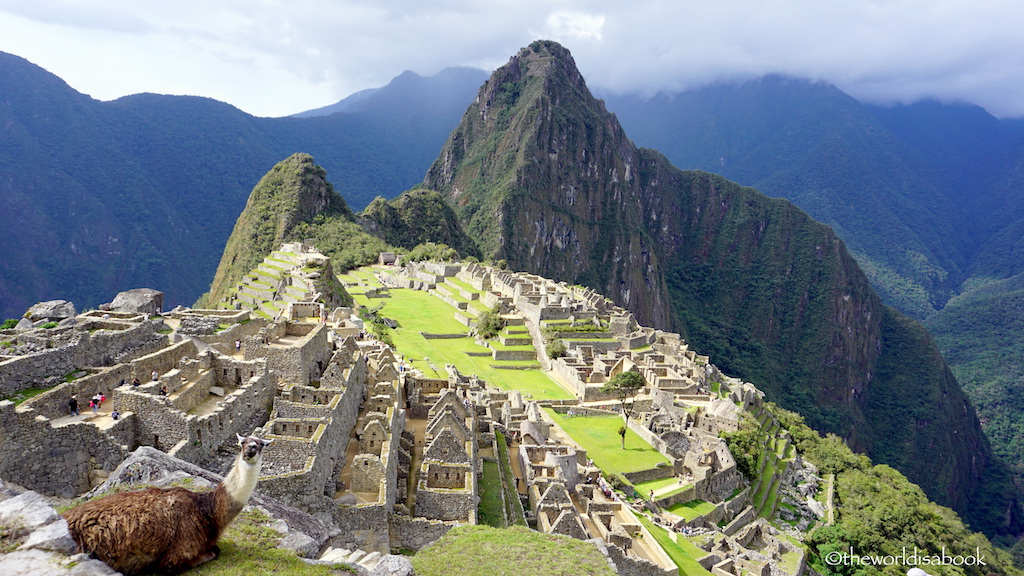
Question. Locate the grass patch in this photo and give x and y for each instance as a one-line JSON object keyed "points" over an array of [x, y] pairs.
{"points": [[418, 311], [23, 395], [682, 552], [249, 548], [514, 508], [646, 487], [692, 509], [11, 537], [491, 508], [485, 551], [599, 436]]}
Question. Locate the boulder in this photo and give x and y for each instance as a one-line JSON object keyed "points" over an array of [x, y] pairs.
{"points": [[137, 301], [28, 510], [51, 310]]}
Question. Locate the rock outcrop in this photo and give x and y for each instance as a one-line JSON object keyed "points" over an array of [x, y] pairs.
{"points": [[137, 301], [51, 311]]}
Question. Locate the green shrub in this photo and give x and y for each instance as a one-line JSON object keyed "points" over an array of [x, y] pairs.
{"points": [[489, 324], [555, 349], [9, 323]]}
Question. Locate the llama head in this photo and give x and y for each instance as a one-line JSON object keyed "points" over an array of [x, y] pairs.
{"points": [[252, 446]]}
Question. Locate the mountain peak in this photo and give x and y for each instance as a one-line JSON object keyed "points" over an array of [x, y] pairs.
{"points": [[294, 191]]}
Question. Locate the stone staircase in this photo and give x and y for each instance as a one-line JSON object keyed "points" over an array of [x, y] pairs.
{"points": [[269, 287], [367, 560]]}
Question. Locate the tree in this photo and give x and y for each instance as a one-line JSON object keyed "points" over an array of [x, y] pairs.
{"points": [[625, 385], [490, 323], [745, 445]]}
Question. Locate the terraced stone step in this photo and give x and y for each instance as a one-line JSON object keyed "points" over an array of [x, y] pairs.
{"points": [[510, 340], [368, 560]]}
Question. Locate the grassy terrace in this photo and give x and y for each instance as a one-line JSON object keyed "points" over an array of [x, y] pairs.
{"points": [[418, 311], [646, 487], [680, 550], [484, 551], [599, 436], [692, 509]]}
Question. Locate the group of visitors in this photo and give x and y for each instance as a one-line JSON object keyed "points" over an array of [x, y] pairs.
{"points": [[94, 404]]}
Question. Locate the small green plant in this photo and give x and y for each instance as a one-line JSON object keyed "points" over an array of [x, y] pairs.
{"points": [[49, 325], [9, 323], [10, 538], [555, 349]]}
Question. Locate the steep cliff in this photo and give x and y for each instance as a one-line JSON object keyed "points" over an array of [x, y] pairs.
{"points": [[543, 176]]}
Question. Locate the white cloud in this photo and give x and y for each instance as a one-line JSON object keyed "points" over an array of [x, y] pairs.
{"points": [[274, 57]]}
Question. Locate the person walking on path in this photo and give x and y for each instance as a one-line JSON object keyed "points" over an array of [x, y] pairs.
{"points": [[73, 405]]}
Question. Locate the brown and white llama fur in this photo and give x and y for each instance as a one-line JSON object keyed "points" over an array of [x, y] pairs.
{"points": [[166, 530]]}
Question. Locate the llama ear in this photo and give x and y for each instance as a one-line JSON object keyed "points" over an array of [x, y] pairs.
{"points": [[268, 442], [240, 438]]}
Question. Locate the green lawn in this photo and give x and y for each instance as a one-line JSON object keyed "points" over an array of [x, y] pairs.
{"points": [[417, 311], [599, 436], [682, 552], [484, 551], [491, 508], [646, 487], [692, 509]]}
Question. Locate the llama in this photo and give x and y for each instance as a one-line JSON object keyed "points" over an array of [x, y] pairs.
{"points": [[166, 530]]}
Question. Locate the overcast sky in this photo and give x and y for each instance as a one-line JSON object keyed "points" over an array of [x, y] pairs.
{"points": [[279, 57]]}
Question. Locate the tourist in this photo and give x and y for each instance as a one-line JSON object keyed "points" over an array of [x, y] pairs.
{"points": [[652, 495], [73, 405], [95, 406], [115, 414], [238, 345], [163, 390], [135, 382], [156, 375]]}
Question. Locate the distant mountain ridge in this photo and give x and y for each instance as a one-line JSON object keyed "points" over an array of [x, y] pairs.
{"points": [[913, 189], [101, 197]]}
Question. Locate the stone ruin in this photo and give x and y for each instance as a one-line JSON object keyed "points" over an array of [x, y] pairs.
{"points": [[393, 458]]}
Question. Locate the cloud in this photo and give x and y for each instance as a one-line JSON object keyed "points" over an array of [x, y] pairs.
{"points": [[275, 57]]}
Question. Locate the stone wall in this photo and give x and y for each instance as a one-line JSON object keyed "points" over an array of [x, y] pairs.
{"points": [[164, 426], [163, 360], [364, 526], [53, 461], [442, 504], [54, 402], [305, 483], [633, 566], [80, 349], [301, 363], [415, 533]]}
